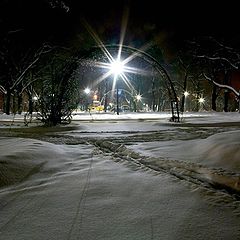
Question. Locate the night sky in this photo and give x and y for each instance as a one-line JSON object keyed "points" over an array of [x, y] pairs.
{"points": [[171, 23]]}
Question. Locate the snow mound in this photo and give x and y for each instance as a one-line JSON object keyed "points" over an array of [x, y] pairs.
{"points": [[221, 150], [21, 158]]}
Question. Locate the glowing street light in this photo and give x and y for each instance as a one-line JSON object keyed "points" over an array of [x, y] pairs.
{"points": [[138, 97], [87, 90], [184, 101], [201, 100], [35, 98], [186, 93], [95, 97], [117, 68]]}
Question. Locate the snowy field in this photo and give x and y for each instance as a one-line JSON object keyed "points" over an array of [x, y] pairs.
{"points": [[132, 176]]}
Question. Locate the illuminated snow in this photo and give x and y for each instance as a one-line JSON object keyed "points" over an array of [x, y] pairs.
{"points": [[76, 192]]}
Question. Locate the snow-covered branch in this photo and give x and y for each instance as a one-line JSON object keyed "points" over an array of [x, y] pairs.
{"points": [[235, 66], [19, 79], [43, 50], [229, 49], [15, 31], [222, 85], [28, 84], [59, 4], [2, 89]]}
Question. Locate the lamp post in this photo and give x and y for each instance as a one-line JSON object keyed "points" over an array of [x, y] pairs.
{"points": [[117, 69], [184, 107], [138, 98], [117, 98], [86, 101], [201, 101]]}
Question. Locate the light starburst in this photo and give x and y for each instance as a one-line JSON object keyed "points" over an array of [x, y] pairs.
{"points": [[115, 66]]}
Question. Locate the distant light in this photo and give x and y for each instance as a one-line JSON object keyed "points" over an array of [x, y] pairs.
{"points": [[95, 97], [201, 100], [186, 93], [138, 97], [117, 67], [35, 98], [87, 90]]}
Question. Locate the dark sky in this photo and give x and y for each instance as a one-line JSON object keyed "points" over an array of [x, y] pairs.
{"points": [[189, 17], [60, 21]]}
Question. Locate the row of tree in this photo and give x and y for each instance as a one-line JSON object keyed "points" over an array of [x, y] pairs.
{"points": [[51, 74], [210, 66]]}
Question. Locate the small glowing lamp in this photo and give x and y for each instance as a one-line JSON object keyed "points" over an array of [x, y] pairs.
{"points": [[87, 90], [138, 97]]}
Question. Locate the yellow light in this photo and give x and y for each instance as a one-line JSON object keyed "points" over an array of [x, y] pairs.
{"points": [[186, 93], [201, 100]]}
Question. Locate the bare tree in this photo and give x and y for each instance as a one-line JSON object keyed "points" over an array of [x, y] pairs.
{"points": [[217, 60], [16, 67], [59, 90]]}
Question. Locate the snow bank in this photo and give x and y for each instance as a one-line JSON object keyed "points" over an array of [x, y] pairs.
{"points": [[220, 150], [21, 158]]}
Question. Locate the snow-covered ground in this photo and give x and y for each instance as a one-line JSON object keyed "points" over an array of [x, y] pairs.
{"points": [[139, 178], [198, 117], [222, 150]]}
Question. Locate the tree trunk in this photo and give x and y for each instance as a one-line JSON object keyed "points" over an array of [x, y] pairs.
{"points": [[153, 95], [30, 102], [214, 98], [106, 97], [239, 102], [14, 106], [226, 97], [184, 90], [30, 105], [226, 92], [8, 101], [19, 107]]}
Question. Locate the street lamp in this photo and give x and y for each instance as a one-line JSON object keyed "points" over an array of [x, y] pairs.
{"points": [[184, 100], [201, 100], [35, 98], [138, 97], [95, 97], [87, 90], [117, 68], [86, 101]]}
